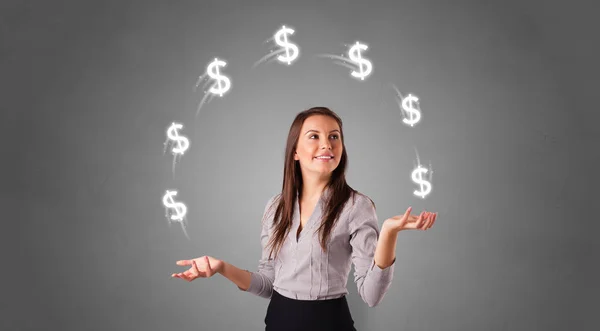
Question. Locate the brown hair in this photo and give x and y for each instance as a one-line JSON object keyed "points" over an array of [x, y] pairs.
{"points": [[339, 193]]}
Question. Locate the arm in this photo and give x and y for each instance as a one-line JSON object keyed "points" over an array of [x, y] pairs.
{"points": [[385, 253], [239, 277], [372, 281], [260, 282]]}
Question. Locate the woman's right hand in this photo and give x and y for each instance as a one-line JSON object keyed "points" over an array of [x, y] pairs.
{"points": [[203, 267]]}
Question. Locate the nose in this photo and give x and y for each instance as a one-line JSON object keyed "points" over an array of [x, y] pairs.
{"points": [[326, 145]]}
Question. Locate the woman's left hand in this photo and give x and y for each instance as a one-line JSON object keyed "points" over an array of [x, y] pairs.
{"points": [[407, 221]]}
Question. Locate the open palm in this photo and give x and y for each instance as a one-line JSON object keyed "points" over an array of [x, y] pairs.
{"points": [[202, 267], [407, 221]]}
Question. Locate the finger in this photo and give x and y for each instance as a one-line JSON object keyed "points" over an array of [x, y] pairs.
{"points": [[434, 218], [428, 222], [422, 220], [209, 270], [187, 276], [194, 269], [405, 216], [183, 262], [195, 274]]}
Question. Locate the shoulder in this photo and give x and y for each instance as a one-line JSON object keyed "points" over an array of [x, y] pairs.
{"points": [[362, 212], [362, 209], [273, 200], [361, 201], [271, 206]]}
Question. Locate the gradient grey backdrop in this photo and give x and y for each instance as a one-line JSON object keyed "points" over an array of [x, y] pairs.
{"points": [[89, 87]]}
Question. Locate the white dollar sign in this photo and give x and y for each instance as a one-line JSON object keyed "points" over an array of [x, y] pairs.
{"points": [[182, 142], [180, 208], [213, 71], [417, 177], [360, 61], [413, 113], [281, 40]]}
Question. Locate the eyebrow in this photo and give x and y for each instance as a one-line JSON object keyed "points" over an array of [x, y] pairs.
{"points": [[317, 131]]}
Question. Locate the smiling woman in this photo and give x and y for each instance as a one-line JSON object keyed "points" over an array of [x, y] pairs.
{"points": [[312, 232]]}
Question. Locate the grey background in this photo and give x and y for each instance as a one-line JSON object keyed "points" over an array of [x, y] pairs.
{"points": [[509, 125]]}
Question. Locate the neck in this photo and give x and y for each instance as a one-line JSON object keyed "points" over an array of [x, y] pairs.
{"points": [[312, 189]]}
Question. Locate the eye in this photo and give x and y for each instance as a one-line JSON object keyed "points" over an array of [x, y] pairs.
{"points": [[333, 135]]}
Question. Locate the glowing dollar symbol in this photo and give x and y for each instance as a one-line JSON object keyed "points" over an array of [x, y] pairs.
{"points": [[413, 113], [354, 55], [213, 71], [179, 208], [281, 40], [417, 177], [182, 142]]}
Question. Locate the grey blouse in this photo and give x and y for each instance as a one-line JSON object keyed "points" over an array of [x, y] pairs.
{"points": [[303, 271]]}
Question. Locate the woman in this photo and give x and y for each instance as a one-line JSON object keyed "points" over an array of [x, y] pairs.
{"points": [[312, 231]]}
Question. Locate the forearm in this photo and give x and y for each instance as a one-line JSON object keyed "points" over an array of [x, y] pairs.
{"points": [[238, 276], [385, 253]]}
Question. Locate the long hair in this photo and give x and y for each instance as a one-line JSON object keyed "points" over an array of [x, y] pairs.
{"points": [[339, 190]]}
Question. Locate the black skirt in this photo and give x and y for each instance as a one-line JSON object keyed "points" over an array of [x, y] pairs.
{"points": [[285, 314]]}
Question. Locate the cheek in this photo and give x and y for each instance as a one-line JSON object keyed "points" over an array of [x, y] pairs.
{"points": [[303, 153], [307, 150]]}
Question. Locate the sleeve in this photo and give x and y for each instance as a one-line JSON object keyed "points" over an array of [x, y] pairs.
{"points": [[371, 281], [261, 281]]}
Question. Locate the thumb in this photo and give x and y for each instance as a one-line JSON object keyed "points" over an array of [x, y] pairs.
{"points": [[406, 214]]}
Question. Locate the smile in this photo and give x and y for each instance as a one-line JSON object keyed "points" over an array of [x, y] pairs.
{"points": [[324, 159]]}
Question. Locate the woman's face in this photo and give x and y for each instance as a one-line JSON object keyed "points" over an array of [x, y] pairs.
{"points": [[320, 135]]}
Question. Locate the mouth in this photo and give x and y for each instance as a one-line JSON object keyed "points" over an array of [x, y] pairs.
{"points": [[324, 158]]}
